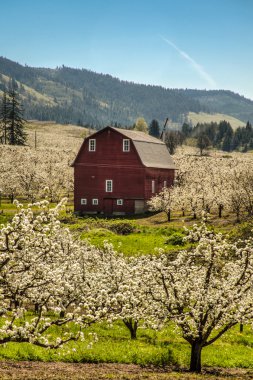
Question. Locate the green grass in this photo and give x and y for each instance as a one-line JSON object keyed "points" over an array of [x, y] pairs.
{"points": [[128, 236], [165, 347]]}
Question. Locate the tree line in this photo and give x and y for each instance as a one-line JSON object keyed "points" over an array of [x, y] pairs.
{"points": [[217, 135], [221, 136]]}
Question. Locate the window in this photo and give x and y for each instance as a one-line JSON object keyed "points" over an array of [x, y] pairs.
{"points": [[164, 183], [83, 201], [153, 186], [92, 145], [95, 201], [119, 202], [126, 145], [108, 185]]}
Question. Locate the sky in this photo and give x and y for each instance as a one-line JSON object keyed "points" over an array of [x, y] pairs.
{"points": [[199, 44]]}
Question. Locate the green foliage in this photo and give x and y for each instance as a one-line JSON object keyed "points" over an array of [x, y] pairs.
{"points": [[176, 239], [222, 136], [11, 118], [122, 227], [154, 129]]}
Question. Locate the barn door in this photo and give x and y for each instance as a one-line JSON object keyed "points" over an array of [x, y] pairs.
{"points": [[138, 206], [108, 206]]}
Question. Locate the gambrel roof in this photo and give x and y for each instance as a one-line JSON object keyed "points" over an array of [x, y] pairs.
{"points": [[152, 151]]}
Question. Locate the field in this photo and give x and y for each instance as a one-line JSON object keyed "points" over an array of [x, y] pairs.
{"points": [[155, 354], [202, 117]]}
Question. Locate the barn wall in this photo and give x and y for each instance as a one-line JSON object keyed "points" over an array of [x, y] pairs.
{"points": [[159, 176], [109, 150], [128, 184]]}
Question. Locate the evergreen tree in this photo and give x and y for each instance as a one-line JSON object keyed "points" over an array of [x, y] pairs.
{"points": [[186, 130], [227, 142], [15, 121], [154, 129], [4, 118]]}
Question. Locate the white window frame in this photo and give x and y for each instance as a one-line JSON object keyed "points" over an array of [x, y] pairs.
{"points": [[92, 145], [95, 201], [120, 202], [83, 201], [126, 145], [109, 185], [153, 186]]}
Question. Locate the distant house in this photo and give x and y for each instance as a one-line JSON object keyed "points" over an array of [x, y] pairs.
{"points": [[117, 170]]}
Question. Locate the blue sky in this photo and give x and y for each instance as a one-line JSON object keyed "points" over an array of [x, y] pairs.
{"points": [[204, 44]]}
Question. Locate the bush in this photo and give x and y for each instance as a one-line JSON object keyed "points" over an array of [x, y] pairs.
{"points": [[176, 239], [121, 227]]}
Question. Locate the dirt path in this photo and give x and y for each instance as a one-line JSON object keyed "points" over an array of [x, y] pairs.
{"points": [[76, 371]]}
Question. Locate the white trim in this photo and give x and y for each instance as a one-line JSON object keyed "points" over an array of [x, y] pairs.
{"points": [[109, 185], [119, 202], [95, 201], [153, 186], [164, 183], [92, 145], [126, 145], [83, 201]]}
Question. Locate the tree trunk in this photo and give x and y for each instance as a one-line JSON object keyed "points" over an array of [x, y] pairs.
{"points": [[169, 215], [195, 365], [62, 314], [241, 328], [220, 210], [132, 327]]}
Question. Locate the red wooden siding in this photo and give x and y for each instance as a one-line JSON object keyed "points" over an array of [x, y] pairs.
{"points": [[131, 179]]}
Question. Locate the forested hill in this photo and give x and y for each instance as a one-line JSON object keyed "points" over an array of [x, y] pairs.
{"points": [[81, 96]]}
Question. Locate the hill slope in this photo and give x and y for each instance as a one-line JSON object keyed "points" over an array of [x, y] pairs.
{"points": [[201, 117], [80, 96]]}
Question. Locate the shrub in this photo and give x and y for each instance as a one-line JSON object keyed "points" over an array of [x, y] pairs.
{"points": [[121, 227], [176, 239]]}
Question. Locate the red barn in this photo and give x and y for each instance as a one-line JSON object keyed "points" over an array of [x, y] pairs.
{"points": [[117, 170]]}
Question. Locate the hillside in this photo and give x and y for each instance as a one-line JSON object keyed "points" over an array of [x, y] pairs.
{"points": [[79, 96], [201, 117]]}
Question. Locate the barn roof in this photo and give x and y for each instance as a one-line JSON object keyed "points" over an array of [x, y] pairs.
{"points": [[152, 151]]}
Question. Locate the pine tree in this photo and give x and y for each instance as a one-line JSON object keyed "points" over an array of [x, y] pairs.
{"points": [[154, 129], [4, 118], [15, 121]]}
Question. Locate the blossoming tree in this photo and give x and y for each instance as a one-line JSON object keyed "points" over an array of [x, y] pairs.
{"points": [[205, 291], [43, 270]]}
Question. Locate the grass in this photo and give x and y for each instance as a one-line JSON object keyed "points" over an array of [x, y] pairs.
{"points": [[163, 348], [128, 236], [136, 235], [202, 117]]}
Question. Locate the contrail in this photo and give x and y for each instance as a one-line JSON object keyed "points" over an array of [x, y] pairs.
{"points": [[196, 66]]}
